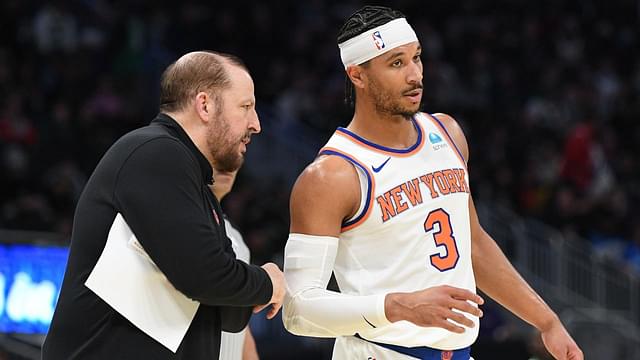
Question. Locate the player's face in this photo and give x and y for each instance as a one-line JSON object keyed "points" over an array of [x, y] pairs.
{"points": [[231, 128], [395, 80]]}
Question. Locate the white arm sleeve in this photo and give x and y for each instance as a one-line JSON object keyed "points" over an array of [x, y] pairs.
{"points": [[312, 310]]}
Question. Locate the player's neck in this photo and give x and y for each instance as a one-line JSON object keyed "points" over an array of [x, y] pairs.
{"points": [[392, 131]]}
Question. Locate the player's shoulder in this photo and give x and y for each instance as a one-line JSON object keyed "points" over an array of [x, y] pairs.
{"points": [[454, 130], [328, 172], [326, 193], [330, 181], [449, 122]]}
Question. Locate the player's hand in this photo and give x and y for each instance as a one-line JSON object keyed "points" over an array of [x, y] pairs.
{"points": [[434, 307], [279, 290], [560, 344]]}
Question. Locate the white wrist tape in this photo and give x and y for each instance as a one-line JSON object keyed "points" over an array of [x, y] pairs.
{"points": [[312, 310], [376, 41]]}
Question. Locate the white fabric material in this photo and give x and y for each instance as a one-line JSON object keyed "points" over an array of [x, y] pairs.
{"points": [[393, 253], [376, 42], [128, 280], [232, 344], [364, 189], [312, 310], [237, 242]]}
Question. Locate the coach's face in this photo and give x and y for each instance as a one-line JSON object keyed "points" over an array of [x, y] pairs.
{"points": [[394, 80], [230, 129]]}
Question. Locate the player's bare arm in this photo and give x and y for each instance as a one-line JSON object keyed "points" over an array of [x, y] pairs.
{"points": [[326, 194], [249, 350], [497, 278], [434, 307]]}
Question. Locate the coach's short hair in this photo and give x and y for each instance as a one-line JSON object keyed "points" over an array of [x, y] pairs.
{"points": [[362, 20], [192, 73]]}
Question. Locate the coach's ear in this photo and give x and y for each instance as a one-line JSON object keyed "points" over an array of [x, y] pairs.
{"points": [[204, 105], [357, 75]]}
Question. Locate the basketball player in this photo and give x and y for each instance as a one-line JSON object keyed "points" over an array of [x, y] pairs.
{"points": [[386, 206], [234, 346]]}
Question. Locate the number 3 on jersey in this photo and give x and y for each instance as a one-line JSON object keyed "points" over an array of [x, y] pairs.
{"points": [[443, 238]]}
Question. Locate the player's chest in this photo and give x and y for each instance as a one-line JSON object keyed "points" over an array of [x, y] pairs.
{"points": [[403, 185]]}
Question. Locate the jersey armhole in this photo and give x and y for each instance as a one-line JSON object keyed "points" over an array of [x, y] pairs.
{"points": [[367, 186]]}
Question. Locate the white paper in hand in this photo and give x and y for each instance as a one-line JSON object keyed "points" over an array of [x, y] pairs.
{"points": [[126, 278]]}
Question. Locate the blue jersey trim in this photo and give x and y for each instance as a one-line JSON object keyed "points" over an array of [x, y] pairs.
{"points": [[354, 162], [449, 136], [384, 148], [423, 352]]}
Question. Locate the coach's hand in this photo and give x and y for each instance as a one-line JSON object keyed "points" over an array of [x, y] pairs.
{"points": [[559, 343], [279, 290], [434, 307]]}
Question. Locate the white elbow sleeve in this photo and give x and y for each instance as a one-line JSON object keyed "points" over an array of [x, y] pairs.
{"points": [[310, 309]]}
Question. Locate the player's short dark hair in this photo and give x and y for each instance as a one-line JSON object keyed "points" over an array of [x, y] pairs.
{"points": [[360, 21], [193, 73]]}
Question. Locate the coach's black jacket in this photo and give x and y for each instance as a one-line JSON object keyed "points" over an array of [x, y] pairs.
{"points": [[157, 179]]}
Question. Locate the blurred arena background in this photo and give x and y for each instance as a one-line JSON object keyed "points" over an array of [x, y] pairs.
{"points": [[548, 93]]}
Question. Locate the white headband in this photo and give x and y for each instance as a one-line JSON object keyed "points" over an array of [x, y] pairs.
{"points": [[376, 41]]}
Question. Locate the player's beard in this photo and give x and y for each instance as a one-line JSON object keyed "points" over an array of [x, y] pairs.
{"points": [[388, 103], [223, 145]]}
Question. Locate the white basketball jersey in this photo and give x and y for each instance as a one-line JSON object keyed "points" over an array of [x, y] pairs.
{"points": [[232, 344], [412, 230]]}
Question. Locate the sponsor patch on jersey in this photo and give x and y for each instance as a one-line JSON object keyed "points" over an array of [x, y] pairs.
{"points": [[434, 138], [436, 141]]}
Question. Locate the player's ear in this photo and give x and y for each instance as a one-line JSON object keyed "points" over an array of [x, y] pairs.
{"points": [[357, 75]]}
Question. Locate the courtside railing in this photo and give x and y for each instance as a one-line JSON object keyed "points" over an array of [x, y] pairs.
{"points": [[597, 300]]}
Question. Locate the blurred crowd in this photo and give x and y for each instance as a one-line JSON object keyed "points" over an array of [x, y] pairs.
{"points": [[548, 93]]}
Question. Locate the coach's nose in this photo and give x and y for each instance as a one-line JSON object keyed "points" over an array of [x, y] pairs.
{"points": [[254, 123]]}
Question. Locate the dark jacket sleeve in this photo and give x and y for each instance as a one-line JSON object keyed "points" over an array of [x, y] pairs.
{"points": [[235, 318], [159, 193]]}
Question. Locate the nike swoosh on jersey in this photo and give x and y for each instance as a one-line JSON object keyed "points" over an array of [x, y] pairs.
{"points": [[369, 322], [377, 169]]}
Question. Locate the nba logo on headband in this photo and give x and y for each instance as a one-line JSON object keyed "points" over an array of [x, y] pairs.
{"points": [[377, 40], [361, 48]]}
